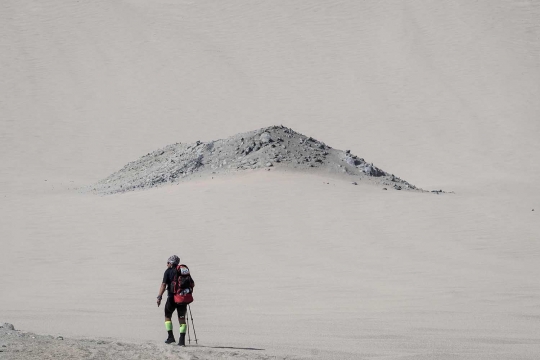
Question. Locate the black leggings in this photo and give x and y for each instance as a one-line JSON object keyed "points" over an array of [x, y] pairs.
{"points": [[170, 306]]}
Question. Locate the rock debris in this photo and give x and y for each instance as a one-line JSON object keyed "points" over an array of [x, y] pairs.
{"points": [[274, 146]]}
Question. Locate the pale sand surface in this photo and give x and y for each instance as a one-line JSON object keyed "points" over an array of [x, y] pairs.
{"points": [[445, 96]]}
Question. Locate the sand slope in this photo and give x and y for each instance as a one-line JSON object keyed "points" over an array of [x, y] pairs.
{"points": [[301, 265], [17, 345]]}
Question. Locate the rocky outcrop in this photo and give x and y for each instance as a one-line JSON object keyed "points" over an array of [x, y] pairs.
{"points": [[271, 147]]}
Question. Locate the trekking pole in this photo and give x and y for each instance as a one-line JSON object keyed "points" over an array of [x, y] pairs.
{"points": [[187, 325], [192, 323]]}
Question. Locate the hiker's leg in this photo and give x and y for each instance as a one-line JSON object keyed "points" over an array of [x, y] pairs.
{"points": [[181, 310], [169, 309]]}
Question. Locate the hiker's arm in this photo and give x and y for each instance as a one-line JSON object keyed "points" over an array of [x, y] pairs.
{"points": [[162, 289], [160, 294]]}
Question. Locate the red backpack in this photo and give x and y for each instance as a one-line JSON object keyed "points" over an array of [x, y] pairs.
{"points": [[183, 285]]}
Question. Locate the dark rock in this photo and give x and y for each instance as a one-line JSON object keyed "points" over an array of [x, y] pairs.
{"points": [[368, 169], [7, 326], [373, 171], [384, 188], [355, 183], [397, 187]]}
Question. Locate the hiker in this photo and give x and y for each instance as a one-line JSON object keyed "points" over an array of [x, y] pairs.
{"points": [[179, 285]]}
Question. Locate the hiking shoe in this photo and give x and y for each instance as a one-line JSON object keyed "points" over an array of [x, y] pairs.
{"points": [[170, 341], [182, 341]]}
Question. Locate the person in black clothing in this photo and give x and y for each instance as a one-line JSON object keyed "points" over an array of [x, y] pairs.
{"points": [[170, 305]]}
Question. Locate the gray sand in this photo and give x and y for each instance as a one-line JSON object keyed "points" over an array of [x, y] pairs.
{"points": [[20, 345], [443, 94]]}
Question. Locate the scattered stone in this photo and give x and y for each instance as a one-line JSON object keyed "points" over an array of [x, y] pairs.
{"points": [[265, 138], [350, 161], [269, 164], [384, 188], [60, 338], [397, 187], [355, 183]]}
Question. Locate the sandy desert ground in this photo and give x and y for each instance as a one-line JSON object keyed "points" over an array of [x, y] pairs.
{"points": [[288, 265]]}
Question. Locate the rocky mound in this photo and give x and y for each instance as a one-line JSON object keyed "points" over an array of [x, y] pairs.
{"points": [[21, 345], [275, 146]]}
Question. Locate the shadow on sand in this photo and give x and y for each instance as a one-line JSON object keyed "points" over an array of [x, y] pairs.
{"points": [[226, 347]]}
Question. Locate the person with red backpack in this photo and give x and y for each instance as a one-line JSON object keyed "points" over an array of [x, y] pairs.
{"points": [[179, 284]]}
